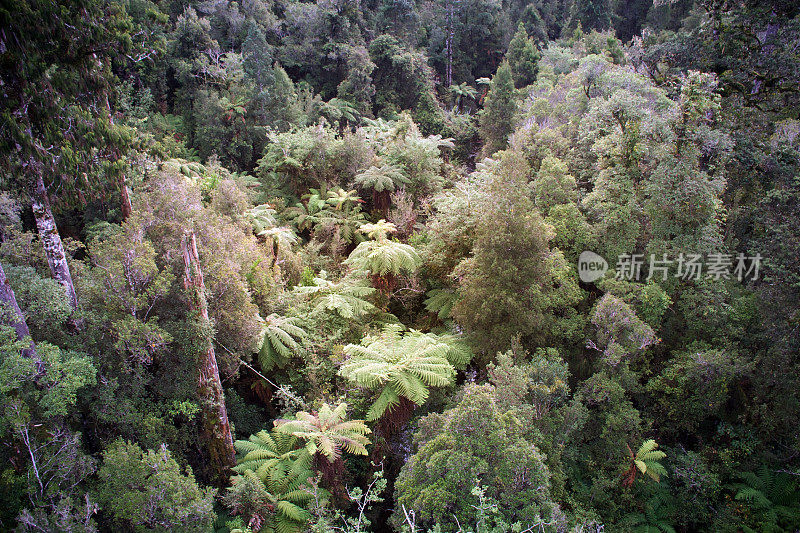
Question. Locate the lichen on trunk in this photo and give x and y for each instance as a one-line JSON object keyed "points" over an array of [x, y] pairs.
{"points": [[51, 240], [215, 427], [13, 316]]}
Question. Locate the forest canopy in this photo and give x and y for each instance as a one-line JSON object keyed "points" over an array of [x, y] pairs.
{"points": [[468, 266]]}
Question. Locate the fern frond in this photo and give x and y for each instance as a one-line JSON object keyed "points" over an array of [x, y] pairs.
{"points": [[327, 431], [387, 401], [280, 341], [401, 364], [441, 302]]}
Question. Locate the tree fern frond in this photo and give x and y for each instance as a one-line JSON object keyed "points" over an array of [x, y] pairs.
{"points": [[327, 432], [382, 178], [280, 341], [387, 400], [401, 365], [441, 302]]}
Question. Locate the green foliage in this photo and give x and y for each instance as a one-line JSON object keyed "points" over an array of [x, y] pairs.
{"points": [[645, 460], [281, 335], [380, 179], [270, 490], [462, 92], [696, 386], [126, 278], [400, 365], [149, 491], [345, 297], [540, 384], [402, 76], [523, 58], [655, 518], [529, 292], [363, 500], [266, 452], [48, 389], [56, 119], [441, 302], [473, 440], [591, 14], [498, 116], [43, 299], [616, 127], [382, 256], [327, 432], [619, 331], [772, 497]]}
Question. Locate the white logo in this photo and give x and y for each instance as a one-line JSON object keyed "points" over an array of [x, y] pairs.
{"points": [[591, 267]]}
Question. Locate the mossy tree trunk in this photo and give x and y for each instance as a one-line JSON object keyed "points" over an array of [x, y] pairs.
{"points": [[51, 240], [13, 316], [215, 427]]}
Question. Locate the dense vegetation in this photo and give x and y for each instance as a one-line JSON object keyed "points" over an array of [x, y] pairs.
{"points": [[288, 265]]}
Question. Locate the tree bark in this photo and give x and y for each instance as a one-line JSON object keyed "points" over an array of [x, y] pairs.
{"points": [[14, 316], [51, 240], [215, 427], [125, 197], [449, 45]]}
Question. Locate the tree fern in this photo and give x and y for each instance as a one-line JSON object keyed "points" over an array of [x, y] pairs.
{"points": [[461, 92], [306, 215], [283, 236], [655, 518], [337, 208], [458, 353], [265, 224], [280, 341], [382, 256], [345, 297], [441, 302], [270, 454], [327, 432], [190, 169], [773, 497], [278, 466], [646, 460], [262, 217], [343, 200], [385, 178], [400, 366], [338, 109]]}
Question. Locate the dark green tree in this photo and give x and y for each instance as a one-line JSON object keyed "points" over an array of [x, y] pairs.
{"points": [[591, 14], [473, 440], [523, 57], [149, 491], [497, 118]]}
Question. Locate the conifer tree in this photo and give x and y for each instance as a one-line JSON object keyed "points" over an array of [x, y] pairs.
{"points": [[514, 283], [591, 15], [257, 56], [523, 57], [56, 123], [497, 118]]}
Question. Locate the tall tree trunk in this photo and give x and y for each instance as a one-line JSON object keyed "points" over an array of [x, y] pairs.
{"points": [[125, 196], [14, 317], [125, 191], [449, 45], [216, 429], [51, 240]]}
